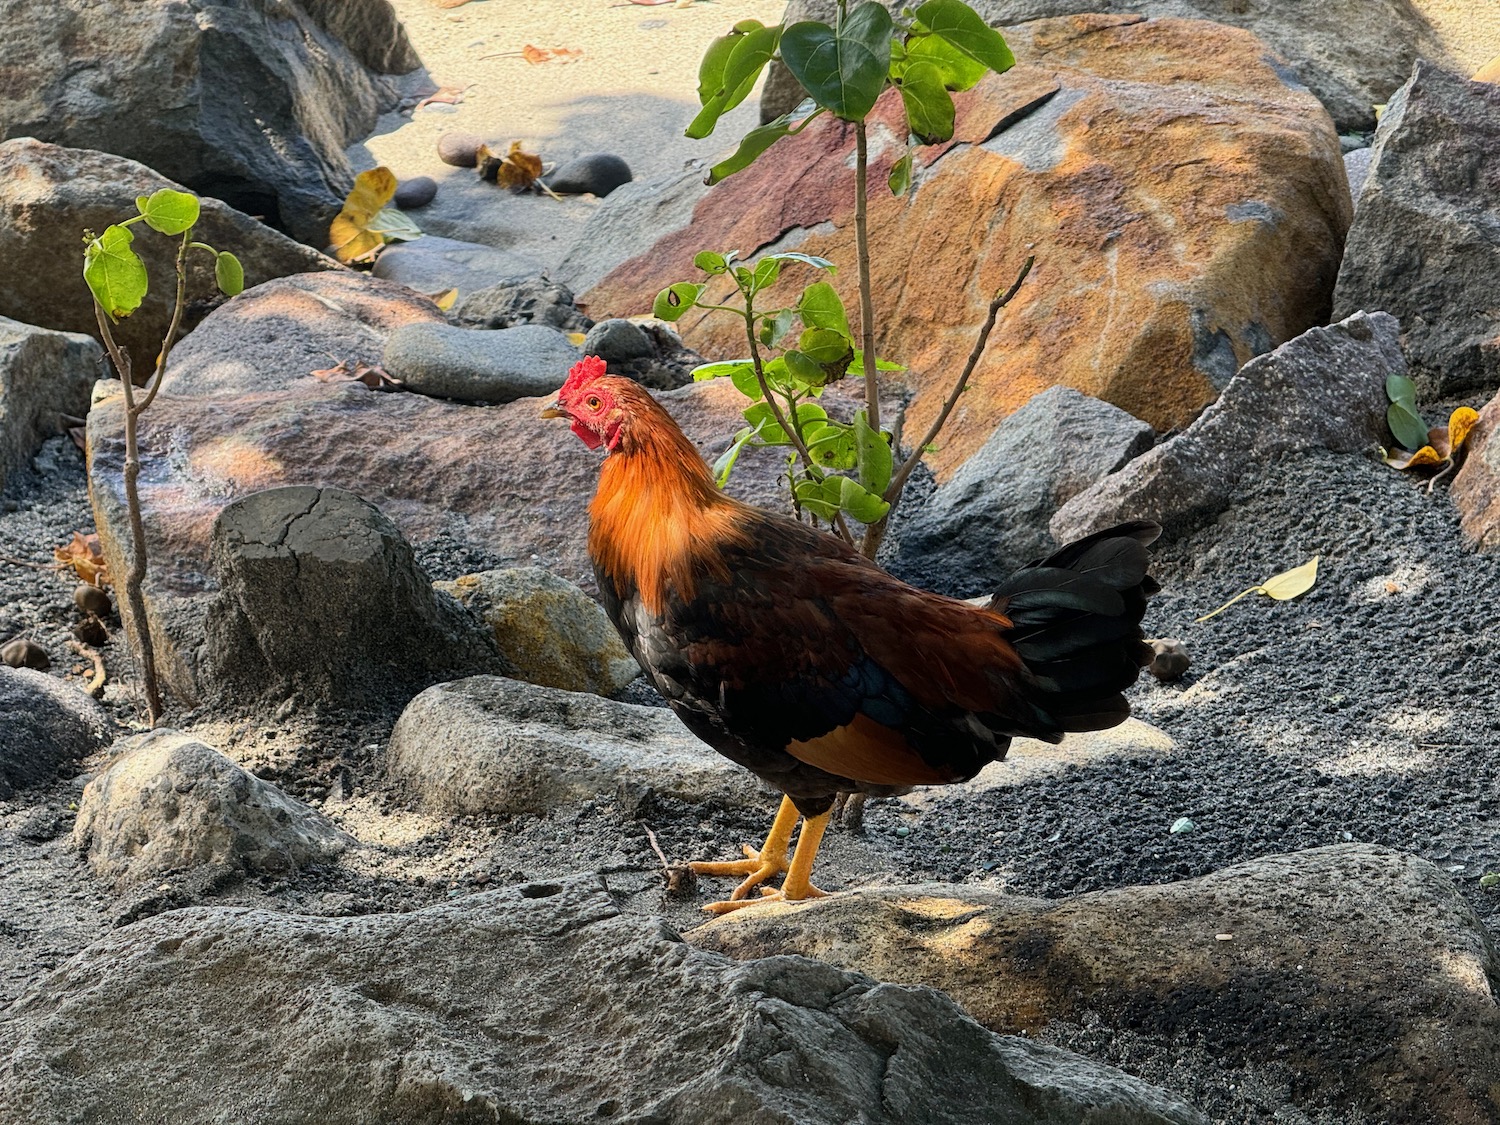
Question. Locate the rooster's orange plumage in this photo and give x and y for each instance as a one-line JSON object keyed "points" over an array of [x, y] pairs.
{"points": [[794, 656]]}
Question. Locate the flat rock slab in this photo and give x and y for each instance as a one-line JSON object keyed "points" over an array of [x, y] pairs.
{"points": [[45, 724], [480, 365], [431, 264], [491, 745], [1184, 199], [166, 803], [1362, 970], [43, 375], [1323, 390], [1425, 245], [531, 1005]]}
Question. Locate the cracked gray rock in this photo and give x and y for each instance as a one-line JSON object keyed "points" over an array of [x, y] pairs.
{"points": [[538, 1003], [321, 600], [43, 375]]}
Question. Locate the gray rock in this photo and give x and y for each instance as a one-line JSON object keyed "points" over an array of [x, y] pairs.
{"points": [[167, 803], [1362, 971], [252, 102], [415, 193], [459, 150], [616, 341], [491, 745], [49, 195], [480, 365], [534, 1004], [1425, 244], [551, 631], [1357, 168], [431, 264], [1350, 53], [522, 300], [628, 223], [320, 598], [991, 517], [598, 173], [43, 375], [1323, 390], [44, 724]]}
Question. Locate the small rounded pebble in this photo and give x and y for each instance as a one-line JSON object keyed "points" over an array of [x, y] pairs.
{"points": [[903, 831], [616, 341], [416, 192], [598, 173], [21, 653], [1171, 660], [91, 599], [459, 149], [91, 631], [1181, 826]]}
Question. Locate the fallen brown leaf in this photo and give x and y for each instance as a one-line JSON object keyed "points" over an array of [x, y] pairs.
{"points": [[371, 375], [84, 557]]}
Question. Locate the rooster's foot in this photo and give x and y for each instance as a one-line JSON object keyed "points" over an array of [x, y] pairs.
{"points": [[766, 895]]}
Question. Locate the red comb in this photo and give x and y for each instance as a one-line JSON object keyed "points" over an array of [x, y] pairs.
{"points": [[584, 372]]}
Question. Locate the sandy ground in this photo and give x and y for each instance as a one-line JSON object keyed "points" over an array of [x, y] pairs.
{"points": [[631, 91]]}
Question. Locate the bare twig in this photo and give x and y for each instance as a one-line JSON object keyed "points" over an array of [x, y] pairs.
{"points": [[33, 565], [656, 847], [96, 683], [866, 299]]}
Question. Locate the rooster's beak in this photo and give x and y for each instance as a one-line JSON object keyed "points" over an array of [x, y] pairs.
{"points": [[554, 411]]}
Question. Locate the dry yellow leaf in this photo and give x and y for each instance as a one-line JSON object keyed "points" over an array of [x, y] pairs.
{"points": [[1460, 423], [1298, 580], [350, 232], [444, 299], [1426, 456]]}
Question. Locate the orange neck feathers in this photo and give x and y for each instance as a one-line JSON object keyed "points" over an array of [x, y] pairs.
{"points": [[658, 521]]}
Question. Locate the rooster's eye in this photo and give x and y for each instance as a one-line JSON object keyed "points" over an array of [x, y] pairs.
{"points": [[592, 402]]}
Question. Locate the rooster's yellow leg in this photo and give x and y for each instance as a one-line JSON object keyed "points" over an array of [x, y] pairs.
{"points": [[798, 882], [758, 866]]}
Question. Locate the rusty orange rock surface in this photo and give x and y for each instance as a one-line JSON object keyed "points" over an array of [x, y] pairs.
{"points": [[1185, 205]]}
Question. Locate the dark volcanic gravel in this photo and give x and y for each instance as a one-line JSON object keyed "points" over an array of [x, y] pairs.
{"points": [[1366, 710]]}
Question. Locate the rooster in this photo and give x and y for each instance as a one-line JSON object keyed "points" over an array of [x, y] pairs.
{"points": [[796, 657]]}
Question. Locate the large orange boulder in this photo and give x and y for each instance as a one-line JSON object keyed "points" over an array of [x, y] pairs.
{"points": [[1186, 207]]}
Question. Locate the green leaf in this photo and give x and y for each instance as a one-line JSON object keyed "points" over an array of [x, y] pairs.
{"points": [[1407, 425], [899, 181], [812, 496], [229, 275], [843, 70], [857, 500], [728, 367], [1398, 388], [857, 364], [961, 26], [767, 270], [742, 67], [805, 369], [820, 307], [168, 211], [715, 59], [826, 346], [769, 431], [752, 144], [929, 106], [875, 460], [115, 274], [832, 445], [775, 325], [675, 300], [958, 70], [726, 461], [746, 383], [709, 262], [394, 225]]}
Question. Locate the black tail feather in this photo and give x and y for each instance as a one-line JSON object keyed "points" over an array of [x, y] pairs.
{"points": [[1076, 623]]}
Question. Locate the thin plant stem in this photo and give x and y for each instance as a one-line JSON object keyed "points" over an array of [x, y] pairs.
{"points": [[866, 296], [137, 621], [876, 533]]}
